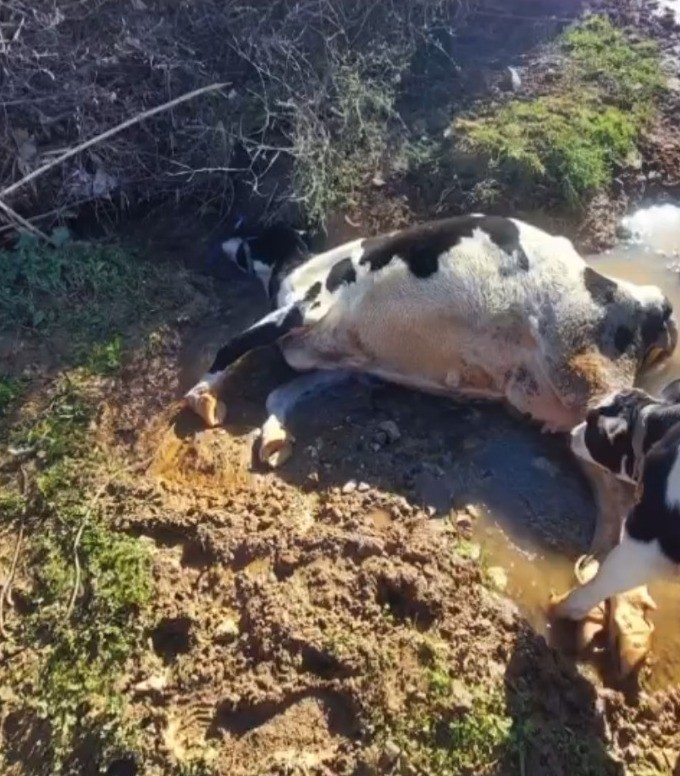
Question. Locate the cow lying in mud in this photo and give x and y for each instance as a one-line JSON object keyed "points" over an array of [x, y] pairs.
{"points": [[473, 306], [637, 438]]}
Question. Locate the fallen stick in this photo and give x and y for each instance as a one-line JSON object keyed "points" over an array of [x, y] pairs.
{"points": [[15, 219], [5, 594], [93, 141]]}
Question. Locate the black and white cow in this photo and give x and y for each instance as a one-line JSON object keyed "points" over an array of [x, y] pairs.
{"points": [[473, 306], [637, 438]]}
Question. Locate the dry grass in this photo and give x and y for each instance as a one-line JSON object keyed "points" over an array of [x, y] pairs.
{"points": [[313, 87]]}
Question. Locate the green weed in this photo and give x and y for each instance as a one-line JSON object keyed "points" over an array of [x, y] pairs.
{"points": [[105, 358], [75, 685], [573, 139], [629, 72], [10, 390], [333, 160]]}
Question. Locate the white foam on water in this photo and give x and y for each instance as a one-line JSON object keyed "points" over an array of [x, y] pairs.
{"points": [[674, 5], [657, 226]]}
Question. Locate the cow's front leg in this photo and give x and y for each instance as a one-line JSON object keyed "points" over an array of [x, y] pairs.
{"points": [[276, 442], [629, 627], [202, 398]]}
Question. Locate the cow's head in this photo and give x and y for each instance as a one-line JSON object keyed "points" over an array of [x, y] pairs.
{"points": [[260, 254]]}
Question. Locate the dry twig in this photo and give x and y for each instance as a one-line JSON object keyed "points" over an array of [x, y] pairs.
{"points": [[92, 142], [5, 594]]}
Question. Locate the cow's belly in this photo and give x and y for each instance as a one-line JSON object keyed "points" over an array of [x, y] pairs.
{"points": [[437, 356], [430, 354]]}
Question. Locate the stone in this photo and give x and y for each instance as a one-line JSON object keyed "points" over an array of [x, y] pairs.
{"points": [[349, 487], [226, 631], [498, 578], [391, 430]]}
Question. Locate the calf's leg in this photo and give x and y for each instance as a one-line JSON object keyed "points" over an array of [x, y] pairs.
{"points": [[276, 443], [202, 398], [629, 565]]}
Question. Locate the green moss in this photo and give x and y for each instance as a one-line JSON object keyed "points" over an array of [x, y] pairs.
{"points": [[75, 684], [628, 72], [570, 145], [573, 139], [10, 390]]}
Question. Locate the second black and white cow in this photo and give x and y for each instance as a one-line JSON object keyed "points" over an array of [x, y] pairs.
{"points": [[474, 306], [637, 438]]}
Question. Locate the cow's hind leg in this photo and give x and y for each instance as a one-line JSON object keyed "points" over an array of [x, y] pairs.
{"points": [[276, 442], [202, 398]]}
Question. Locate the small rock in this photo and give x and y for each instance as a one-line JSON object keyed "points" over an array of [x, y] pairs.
{"points": [[544, 465], [349, 487], [362, 487], [226, 631], [152, 684], [464, 523], [391, 751], [461, 696], [498, 578], [378, 181], [390, 428]]}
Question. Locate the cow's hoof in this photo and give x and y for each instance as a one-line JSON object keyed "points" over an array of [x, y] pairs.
{"points": [[591, 622], [276, 444], [594, 622], [630, 629], [206, 405]]}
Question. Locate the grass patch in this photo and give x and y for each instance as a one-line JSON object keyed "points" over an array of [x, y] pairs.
{"points": [[10, 390], [81, 297], [334, 159], [441, 737], [73, 683], [449, 728], [80, 286], [573, 139]]}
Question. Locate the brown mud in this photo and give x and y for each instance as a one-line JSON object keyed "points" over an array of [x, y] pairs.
{"points": [[296, 615]]}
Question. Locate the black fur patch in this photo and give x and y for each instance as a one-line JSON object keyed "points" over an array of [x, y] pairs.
{"points": [[654, 323], [421, 246], [652, 518], [671, 393], [257, 336], [614, 450], [313, 291], [602, 290], [658, 421], [623, 339], [342, 273]]}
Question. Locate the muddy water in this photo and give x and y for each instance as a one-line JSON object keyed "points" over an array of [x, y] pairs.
{"points": [[652, 255]]}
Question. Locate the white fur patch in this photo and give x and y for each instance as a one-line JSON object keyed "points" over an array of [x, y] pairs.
{"points": [[578, 443], [263, 272], [230, 247], [206, 384], [629, 565], [673, 484]]}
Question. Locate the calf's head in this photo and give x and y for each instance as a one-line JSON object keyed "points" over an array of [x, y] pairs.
{"points": [[259, 255], [618, 432]]}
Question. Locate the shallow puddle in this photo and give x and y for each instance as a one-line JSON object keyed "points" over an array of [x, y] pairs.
{"points": [[651, 256]]}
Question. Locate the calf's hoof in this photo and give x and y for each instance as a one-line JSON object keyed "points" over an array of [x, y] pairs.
{"points": [[594, 622], [591, 622], [630, 629], [276, 444], [206, 405]]}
